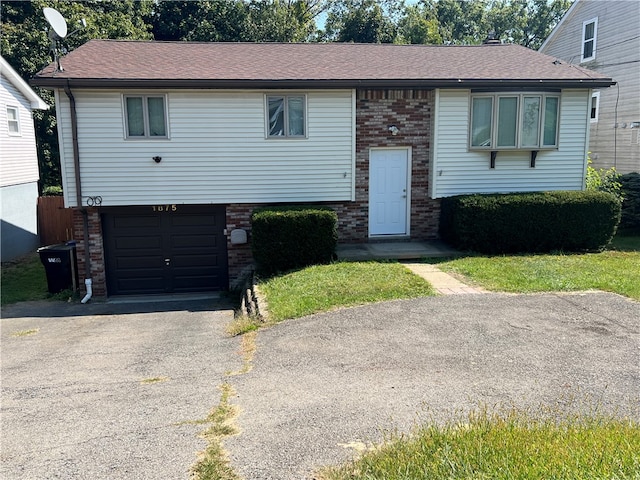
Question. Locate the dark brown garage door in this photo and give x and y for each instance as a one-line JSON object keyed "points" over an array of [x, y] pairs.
{"points": [[165, 249]]}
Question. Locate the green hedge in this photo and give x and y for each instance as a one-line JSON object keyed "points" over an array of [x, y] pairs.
{"points": [[530, 222], [284, 238], [631, 204]]}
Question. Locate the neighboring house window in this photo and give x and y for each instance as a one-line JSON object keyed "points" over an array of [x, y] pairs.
{"points": [[13, 121], [286, 116], [589, 32], [514, 121], [595, 106], [145, 116]]}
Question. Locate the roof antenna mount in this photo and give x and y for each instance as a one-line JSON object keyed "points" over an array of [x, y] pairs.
{"points": [[58, 32]]}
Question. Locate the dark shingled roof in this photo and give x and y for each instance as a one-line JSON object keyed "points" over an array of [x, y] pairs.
{"points": [[105, 63]]}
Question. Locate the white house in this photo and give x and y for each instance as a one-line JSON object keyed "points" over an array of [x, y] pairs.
{"points": [[18, 164], [605, 37], [168, 147]]}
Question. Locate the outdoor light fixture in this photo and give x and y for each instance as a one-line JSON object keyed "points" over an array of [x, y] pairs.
{"points": [[394, 130]]}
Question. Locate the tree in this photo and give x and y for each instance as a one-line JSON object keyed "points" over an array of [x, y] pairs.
{"points": [[362, 21], [26, 46], [236, 20]]}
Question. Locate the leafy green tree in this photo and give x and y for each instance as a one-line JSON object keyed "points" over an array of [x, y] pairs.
{"points": [[362, 21], [26, 46], [417, 25]]}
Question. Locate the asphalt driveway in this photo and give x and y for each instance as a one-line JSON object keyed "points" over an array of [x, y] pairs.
{"points": [[74, 405]]}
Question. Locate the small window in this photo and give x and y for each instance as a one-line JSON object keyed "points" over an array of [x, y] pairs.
{"points": [[589, 33], [595, 107], [514, 121], [286, 116], [145, 116], [13, 121]]}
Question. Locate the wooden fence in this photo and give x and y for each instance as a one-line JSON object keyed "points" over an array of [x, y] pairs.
{"points": [[55, 223]]}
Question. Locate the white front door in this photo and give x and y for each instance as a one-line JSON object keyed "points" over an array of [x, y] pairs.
{"points": [[388, 191]]}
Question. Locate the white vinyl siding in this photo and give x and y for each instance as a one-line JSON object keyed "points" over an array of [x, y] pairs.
{"points": [[618, 44], [19, 159], [458, 170], [217, 153]]}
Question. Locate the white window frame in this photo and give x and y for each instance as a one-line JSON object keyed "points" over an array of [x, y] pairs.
{"points": [[494, 121], [13, 121], [585, 24], [596, 96], [285, 96], [145, 114]]}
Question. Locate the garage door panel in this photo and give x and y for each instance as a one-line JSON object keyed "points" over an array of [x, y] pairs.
{"points": [[125, 263], [165, 251], [141, 285], [203, 261], [208, 242], [125, 222], [138, 244]]}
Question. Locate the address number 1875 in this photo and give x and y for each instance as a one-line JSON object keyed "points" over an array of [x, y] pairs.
{"points": [[164, 208]]}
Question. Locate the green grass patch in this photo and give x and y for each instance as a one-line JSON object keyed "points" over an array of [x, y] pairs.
{"points": [[506, 445], [615, 270], [23, 280], [25, 333], [321, 288], [213, 463]]}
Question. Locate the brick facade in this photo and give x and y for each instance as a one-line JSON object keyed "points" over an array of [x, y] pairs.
{"points": [[96, 248], [410, 110]]}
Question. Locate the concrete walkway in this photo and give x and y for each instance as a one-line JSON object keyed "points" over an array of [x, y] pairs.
{"points": [[442, 282]]}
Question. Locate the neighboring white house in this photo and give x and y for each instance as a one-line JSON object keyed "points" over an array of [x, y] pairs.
{"points": [[604, 36], [177, 143], [18, 164]]}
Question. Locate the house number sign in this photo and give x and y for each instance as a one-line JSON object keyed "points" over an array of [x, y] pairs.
{"points": [[164, 208]]}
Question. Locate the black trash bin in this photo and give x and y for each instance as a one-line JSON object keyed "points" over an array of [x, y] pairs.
{"points": [[60, 266]]}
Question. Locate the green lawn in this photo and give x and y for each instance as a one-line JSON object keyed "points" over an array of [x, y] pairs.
{"points": [[324, 287], [23, 280], [614, 270], [505, 446]]}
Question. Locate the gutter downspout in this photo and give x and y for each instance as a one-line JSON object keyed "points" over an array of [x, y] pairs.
{"points": [[85, 216]]}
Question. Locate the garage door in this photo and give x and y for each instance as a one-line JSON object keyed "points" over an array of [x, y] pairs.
{"points": [[165, 249]]}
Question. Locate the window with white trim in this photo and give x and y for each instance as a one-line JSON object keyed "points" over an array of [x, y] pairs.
{"points": [[589, 34], [145, 116], [595, 107], [13, 121], [286, 116], [511, 121]]}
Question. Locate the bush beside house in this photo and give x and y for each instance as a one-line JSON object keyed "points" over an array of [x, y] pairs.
{"points": [[530, 222], [285, 238]]}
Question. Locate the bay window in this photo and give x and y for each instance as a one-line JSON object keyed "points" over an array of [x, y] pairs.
{"points": [[514, 121]]}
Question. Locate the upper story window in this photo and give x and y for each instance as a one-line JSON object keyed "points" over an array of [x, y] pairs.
{"points": [[286, 116], [595, 106], [589, 33], [13, 121], [526, 121], [145, 116]]}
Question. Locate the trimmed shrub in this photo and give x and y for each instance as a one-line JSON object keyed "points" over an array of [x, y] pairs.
{"points": [[631, 204], [291, 237], [52, 191], [530, 222]]}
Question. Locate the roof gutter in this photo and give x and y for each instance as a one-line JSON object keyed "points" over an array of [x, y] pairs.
{"points": [[319, 83], [76, 168]]}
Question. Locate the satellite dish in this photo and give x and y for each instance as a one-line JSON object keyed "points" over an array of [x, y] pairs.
{"points": [[57, 22]]}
